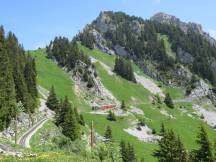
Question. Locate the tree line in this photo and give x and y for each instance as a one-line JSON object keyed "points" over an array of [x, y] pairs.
{"points": [[124, 68], [17, 79], [66, 52], [172, 149]]}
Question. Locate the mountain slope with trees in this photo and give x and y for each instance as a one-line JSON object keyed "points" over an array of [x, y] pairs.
{"points": [[138, 39]]}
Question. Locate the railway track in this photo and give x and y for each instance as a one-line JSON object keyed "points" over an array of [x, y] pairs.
{"points": [[25, 138]]}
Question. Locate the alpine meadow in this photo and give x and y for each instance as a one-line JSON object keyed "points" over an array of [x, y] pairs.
{"points": [[106, 85]]}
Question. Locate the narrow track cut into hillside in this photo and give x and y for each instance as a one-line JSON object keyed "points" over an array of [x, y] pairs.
{"points": [[24, 140]]}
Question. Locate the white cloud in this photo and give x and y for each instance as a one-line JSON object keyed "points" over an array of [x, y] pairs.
{"points": [[212, 32]]}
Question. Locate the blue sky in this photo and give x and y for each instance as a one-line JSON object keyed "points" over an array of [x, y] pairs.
{"points": [[36, 22]]}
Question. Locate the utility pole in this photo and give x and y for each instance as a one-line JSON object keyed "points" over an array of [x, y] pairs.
{"points": [[92, 136]]}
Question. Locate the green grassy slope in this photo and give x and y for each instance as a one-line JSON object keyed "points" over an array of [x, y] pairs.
{"points": [[50, 74], [134, 94], [185, 126]]}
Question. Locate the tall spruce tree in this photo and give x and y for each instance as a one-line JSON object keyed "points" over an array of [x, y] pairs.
{"points": [[30, 76], [70, 126], [168, 101], [123, 106], [170, 149], [127, 152], [7, 87], [204, 153], [63, 109], [108, 133]]}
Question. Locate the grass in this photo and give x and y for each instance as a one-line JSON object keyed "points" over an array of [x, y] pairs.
{"points": [[183, 125], [167, 45], [50, 74], [48, 157], [134, 94]]}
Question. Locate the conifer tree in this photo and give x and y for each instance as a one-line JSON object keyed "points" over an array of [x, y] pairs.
{"points": [[108, 133], [30, 76], [131, 153], [70, 126], [180, 151], [123, 106], [162, 131], [168, 101], [7, 87], [111, 116], [63, 108], [127, 152], [170, 149], [52, 101], [123, 151], [204, 153]]}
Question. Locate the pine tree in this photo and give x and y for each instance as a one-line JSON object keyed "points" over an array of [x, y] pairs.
{"points": [[131, 153], [52, 101], [108, 133], [204, 153], [7, 87], [168, 101], [70, 126], [127, 152], [123, 107], [123, 151], [111, 116], [30, 76], [63, 108], [162, 131], [170, 149], [180, 151]]}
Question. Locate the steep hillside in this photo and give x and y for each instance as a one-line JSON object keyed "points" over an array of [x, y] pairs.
{"points": [[137, 39], [139, 100]]}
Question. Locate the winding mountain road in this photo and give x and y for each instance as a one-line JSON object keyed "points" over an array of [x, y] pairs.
{"points": [[24, 140]]}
